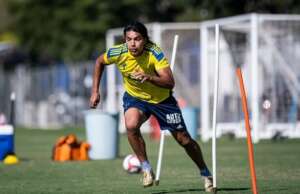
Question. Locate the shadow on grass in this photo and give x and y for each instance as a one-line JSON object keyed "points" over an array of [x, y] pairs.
{"points": [[197, 190], [233, 189], [267, 190], [178, 191], [25, 159]]}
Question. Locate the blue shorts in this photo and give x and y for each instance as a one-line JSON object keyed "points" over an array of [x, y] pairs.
{"points": [[166, 112]]}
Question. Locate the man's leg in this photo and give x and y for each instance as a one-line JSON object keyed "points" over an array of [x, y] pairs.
{"points": [[192, 148], [134, 118]]}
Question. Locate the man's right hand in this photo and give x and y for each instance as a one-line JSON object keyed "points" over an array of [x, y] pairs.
{"points": [[94, 100]]}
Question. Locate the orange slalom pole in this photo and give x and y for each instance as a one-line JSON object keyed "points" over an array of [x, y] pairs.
{"points": [[248, 129]]}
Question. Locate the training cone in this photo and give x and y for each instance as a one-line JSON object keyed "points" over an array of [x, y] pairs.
{"points": [[11, 159]]}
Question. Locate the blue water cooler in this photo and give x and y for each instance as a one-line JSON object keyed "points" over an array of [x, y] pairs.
{"points": [[102, 134], [6, 140]]}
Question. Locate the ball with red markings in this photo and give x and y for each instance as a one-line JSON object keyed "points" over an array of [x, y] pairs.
{"points": [[131, 164]]}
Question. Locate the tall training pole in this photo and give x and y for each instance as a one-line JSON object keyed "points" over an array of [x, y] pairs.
{"points": [[248, 129], [12, 117], [216, 89], [162, 135]]}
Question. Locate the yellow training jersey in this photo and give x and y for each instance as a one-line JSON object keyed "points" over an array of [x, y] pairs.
{"points": [[151, 60]]}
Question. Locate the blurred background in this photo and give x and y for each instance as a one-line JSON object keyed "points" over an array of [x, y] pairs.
{"points": [[47, 53], [48, 49]]}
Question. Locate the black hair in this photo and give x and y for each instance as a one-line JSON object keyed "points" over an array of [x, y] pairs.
{"points": [[139, 27]]}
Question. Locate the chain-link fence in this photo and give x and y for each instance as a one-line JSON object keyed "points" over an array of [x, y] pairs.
{"points": [[48, 97]]}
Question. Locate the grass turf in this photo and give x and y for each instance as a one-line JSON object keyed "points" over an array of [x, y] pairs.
{"points": [[277, 168]]}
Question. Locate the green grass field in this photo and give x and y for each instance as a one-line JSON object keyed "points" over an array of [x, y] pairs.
{"points": [[277, 168]]}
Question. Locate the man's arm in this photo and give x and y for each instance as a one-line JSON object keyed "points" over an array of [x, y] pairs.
{"points": [[98, 70], [164, 78]]}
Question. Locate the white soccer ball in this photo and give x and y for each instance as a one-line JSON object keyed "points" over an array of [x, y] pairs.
{"points": [[131, 164]]}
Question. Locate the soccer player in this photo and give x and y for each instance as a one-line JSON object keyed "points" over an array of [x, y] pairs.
{"points": [[148, 82]]}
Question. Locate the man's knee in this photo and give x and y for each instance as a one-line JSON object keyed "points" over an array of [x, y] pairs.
{"points": [[133, 120], [187, 143], [184, 140], [132, 128]]}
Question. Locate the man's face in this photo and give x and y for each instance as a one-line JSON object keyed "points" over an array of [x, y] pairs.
{"points": [[135, 43]]}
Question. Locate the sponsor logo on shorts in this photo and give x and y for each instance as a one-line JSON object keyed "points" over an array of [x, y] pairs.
{"points": [[173, 118]]}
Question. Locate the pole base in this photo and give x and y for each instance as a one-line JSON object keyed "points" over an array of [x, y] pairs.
{"points": [[215, 190]]}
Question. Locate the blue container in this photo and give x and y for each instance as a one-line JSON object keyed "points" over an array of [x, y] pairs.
{"points": [[191, 119], [6, 140], [102, 134]]}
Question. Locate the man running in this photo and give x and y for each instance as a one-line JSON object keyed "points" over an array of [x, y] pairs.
{"points": [[148, 82]]}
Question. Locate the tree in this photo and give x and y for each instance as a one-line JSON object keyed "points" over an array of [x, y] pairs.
{"points": [[4, 17], [62, 30], [223, 8], [75, 30]]}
